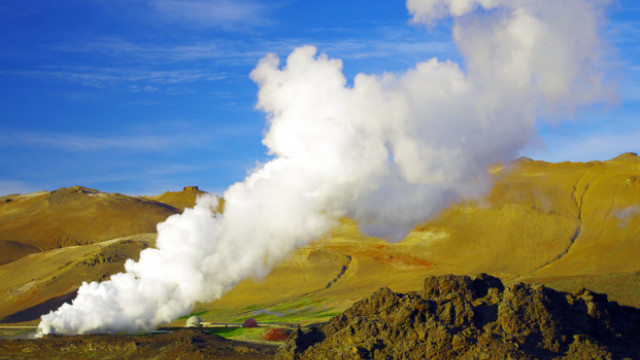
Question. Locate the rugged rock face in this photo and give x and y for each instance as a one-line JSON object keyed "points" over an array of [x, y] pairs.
{"points": [[474, 318]]}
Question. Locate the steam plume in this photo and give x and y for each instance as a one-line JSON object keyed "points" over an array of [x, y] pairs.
{"points": [[390, 150]]}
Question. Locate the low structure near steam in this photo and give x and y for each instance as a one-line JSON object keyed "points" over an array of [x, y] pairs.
{"points": [[194, 321], [250, 323]]}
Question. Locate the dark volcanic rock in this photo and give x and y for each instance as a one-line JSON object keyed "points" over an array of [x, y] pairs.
{"points": [[182, 344], [474, 318]]}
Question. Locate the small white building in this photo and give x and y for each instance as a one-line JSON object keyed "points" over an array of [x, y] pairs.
{"points": [[194, 321]]}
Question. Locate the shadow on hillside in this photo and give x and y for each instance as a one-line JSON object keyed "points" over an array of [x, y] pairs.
{"points": [[36, 311]]}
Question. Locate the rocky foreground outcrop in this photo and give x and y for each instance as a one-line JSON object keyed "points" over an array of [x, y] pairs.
{"points": [[183, 344], [474, 318]]}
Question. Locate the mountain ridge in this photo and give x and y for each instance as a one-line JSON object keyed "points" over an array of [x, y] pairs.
{"points": [[568, 225], [79, 215]]}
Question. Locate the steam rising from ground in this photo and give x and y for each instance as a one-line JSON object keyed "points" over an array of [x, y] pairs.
{"points": [[390, 150]]}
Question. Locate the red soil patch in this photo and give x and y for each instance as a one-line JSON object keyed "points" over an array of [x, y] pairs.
{"points": [[275, 334]]}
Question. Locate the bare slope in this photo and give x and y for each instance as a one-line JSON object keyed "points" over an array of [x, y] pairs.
{"points": [[178, 199], [568, 225], [41, 282], [72, 216], [183, 344]]}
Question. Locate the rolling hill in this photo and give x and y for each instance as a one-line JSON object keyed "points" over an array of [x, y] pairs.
{"points": [[72, 216], [178, 199], [568, 225]]}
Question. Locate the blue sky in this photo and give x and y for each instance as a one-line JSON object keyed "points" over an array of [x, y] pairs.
{"points": [[143, 96]]}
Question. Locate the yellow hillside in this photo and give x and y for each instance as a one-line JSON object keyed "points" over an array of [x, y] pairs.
{"points": [[568, 225], [72, 216], [178, 199], [41, 282]]}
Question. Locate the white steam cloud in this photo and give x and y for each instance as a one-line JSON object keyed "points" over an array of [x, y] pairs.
{"points": [[390, 151], [625, 214]]}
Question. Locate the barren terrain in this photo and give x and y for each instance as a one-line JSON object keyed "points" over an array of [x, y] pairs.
{"points": [[566, 225], [183, 344]]}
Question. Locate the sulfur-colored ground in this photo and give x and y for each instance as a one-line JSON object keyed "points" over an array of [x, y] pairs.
{"points": [[568, 225], [178, 199], [40, 282], [72, 216]]}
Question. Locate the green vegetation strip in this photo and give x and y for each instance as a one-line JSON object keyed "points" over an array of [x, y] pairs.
{"points": [[199, 313], [242, 334]]}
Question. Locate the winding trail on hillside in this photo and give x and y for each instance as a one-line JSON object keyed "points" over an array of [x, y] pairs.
{"points": [[578, 202], [344, 269]]}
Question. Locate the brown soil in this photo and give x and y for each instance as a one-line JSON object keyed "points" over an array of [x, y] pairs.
{"points": [[72, 216], [182, 344], [460, 317], [276, 334], [567, 225], [41, 282], [178, 199]]}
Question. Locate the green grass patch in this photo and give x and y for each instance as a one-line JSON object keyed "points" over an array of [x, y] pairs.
{"points": [[328, 314], [253, 307], [199, 313], [218, 315], [303, 310], [242, 334], [295, 315]]}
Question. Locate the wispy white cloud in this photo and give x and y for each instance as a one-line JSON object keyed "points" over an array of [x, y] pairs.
{"points": [[215, 60], [179, 136], [249, 51], [219, 49], [380, 48], [71, 142], [111, 77], [626, 214], [226, 14]]}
